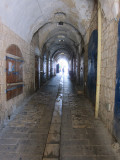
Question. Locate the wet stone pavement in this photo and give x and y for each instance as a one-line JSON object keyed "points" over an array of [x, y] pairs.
{"points": [[56, 124], [25, 136], [82, 136]]}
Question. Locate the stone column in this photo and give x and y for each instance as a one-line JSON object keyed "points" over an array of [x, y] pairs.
{"points": [[78, 69], [74, 67], [47, 68], [41, 71], [50, 67], [54, 68]]}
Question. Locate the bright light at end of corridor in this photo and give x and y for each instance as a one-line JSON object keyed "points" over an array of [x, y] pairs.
{"points": [[63, 66]]}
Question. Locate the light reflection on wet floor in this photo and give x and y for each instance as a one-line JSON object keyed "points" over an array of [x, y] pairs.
{"points": [[57, 123], [52, 149]]}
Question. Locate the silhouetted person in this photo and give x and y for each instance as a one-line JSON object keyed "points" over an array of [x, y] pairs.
{"points": [[63, 70]]}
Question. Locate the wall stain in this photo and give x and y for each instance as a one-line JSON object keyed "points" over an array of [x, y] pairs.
{"points": [[69, 3]]}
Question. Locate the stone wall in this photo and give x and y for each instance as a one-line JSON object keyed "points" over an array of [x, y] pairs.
{"points": [[108, 71], [108, 66], [8, 37]]}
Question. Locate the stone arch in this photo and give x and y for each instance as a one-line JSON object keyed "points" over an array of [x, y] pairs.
{"points": [[14, 50]]}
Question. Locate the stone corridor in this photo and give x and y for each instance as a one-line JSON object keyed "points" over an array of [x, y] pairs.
{"points": [[56, 123]]}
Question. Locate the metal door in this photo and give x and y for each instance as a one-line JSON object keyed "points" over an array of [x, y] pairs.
{"points": [[117, 92], [92, 66]]}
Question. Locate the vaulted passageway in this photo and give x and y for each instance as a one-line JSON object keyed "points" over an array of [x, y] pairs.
{"points": [[42, 41]]}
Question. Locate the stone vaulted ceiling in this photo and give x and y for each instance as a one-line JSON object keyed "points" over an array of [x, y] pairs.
{"points": [[25, 17]]}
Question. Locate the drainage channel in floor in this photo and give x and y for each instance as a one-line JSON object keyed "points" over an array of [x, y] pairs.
{"points": [[52, 149]]}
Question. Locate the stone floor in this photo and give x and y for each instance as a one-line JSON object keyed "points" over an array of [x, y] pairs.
{"points": [[82, 136], [56, 124]]}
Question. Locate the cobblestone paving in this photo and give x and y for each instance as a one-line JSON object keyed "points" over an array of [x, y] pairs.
{"points": [[56, 124]]}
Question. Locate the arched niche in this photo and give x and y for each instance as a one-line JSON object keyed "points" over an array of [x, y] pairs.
{"points": [[14, 71]]}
